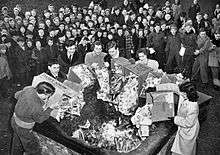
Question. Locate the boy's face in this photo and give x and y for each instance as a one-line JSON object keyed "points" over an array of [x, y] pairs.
{"points": [[113, 51], [71, 49], [142, 56], [54, 68], [98, 49]]}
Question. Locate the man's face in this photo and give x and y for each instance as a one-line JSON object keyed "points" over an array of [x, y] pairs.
{"points": [[44, 97], [110, 37], [113, 51], [38, 44], [195, 1], [117, 11], [61, 27], [133, 16], [100, 19], [98, 49], [50, 8], [157, 28], [188, 28], [142, 56], [56, 21], [54, 69], [29, 44], [21, 43], [79, 16], [199, 17], [120, 32], [71, 49], [50, 42], [47, 14], [163, 26], [140, 10], [107, 12], [41, 33], [51, 33], [217, 36], [173, 31], [202, 34], [33, 13]]}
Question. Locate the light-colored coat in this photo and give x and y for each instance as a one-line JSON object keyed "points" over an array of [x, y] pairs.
{"points": [[188, 127]]}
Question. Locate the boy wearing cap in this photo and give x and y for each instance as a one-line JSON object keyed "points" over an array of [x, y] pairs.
{"points": [[5, 73]]}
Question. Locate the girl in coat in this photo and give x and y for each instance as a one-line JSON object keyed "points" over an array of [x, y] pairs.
{"points": [[187, 121]]}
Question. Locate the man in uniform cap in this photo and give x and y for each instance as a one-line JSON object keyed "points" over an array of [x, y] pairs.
{"points": [[172, 50]]}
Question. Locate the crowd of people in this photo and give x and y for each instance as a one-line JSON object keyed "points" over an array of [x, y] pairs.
{"points": [[33, 41]]}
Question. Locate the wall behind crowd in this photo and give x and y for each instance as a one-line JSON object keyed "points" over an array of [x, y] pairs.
{"points": [[206, 5]]}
